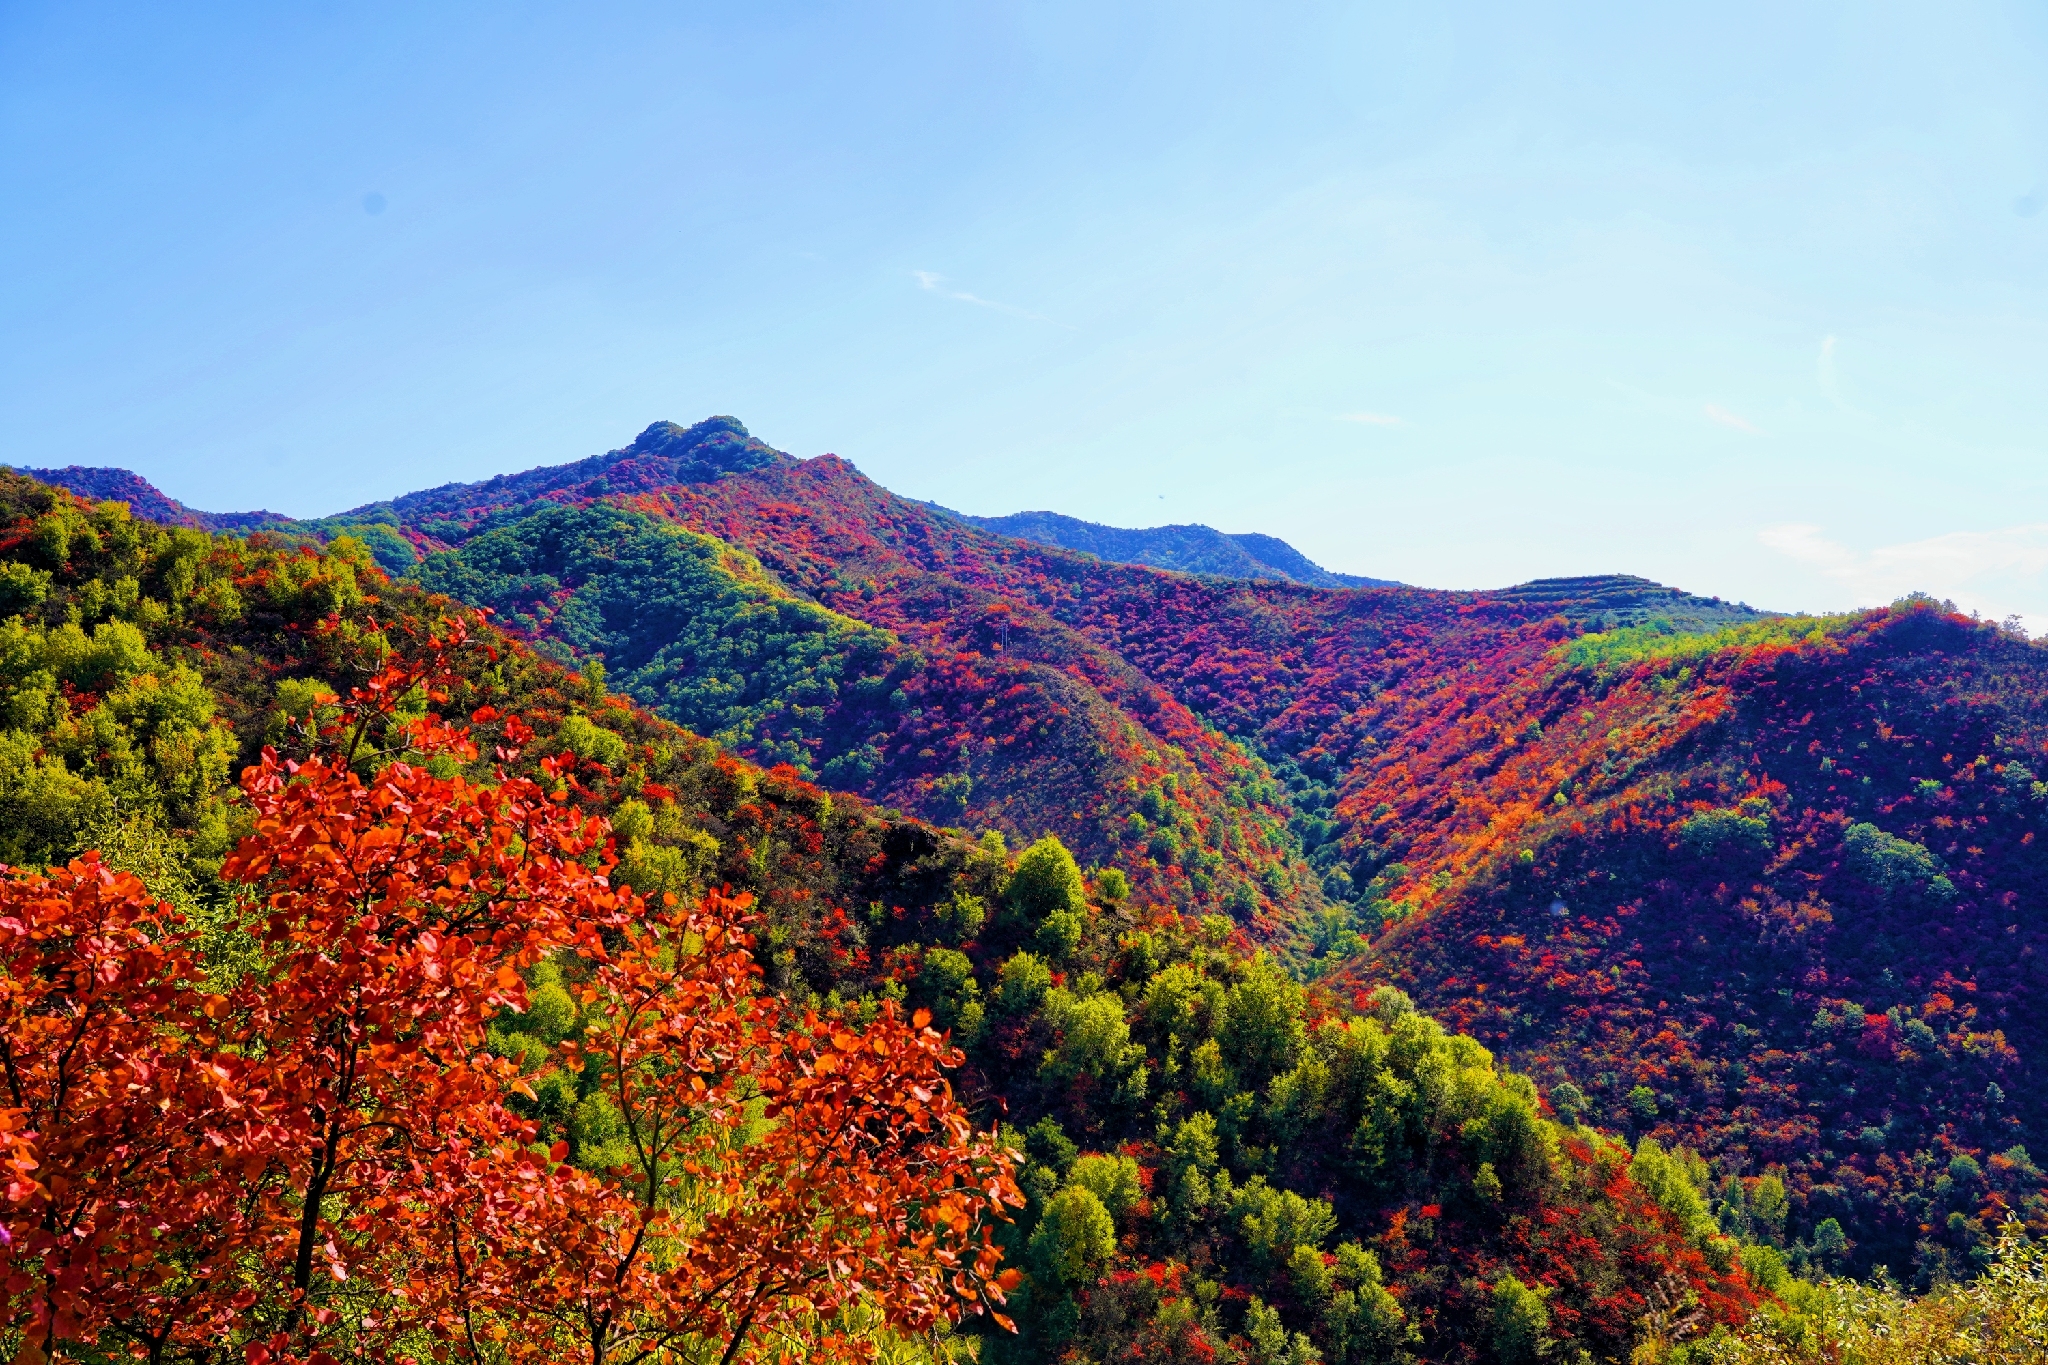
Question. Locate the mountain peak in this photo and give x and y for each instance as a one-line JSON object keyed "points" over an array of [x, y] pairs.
{"points": [[721, 442], [664, 453]]}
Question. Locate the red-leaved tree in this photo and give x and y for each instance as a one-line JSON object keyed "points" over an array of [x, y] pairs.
{"points": [[325, 1160]]}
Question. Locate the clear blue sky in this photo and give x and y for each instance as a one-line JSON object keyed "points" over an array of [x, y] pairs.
{"points": [[1752, 299]]}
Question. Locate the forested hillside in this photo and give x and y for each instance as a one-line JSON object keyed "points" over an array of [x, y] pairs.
{"points": [[1766, 888], [1773, 893], [1219, 1160]]}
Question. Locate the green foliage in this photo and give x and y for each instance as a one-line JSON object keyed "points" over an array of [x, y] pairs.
{"points": [[1075, 1236], [1113, 886], [660, 853], [1715, 831], [1192, 1156], [1271, 1342], [1059, 934], [1022, 983], [1273, 1224], [1048, 1145], [1675, 1180], [1830, 1243], [587, 740], [1111, 1179], [684, 624], [1768, 1209], [1521, 1323], [1893, 865], [1999, 1318], [1094, 1040], [550, 1012], [963, 915], [1569, 1101], [946, 983], [1047, 882], [1365, 1323], [96, 724], [1262, 1030], [1661, 645], [22, 587]]}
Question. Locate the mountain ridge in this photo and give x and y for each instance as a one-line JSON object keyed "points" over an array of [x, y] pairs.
{"points": [[728, 448]]}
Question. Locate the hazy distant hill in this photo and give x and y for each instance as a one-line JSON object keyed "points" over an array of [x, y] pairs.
{"points": [[1185, 549]]}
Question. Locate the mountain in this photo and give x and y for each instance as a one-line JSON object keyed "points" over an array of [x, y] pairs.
{"points": [[1218, 1158], [1184, 549], [1763, 886]]}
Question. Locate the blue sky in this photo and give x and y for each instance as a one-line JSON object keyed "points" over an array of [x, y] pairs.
{"points": [[1751, 299]]}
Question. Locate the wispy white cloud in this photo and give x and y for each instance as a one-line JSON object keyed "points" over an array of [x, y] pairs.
{"points": [[936, 283], [1996, 573], [1730, 420], [1370, 419]]}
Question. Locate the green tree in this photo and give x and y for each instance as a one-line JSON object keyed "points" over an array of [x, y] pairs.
{"points": [[1074, 1238], [1520, 1323], [1046, 882], [1674, 1179], [1272, 1223], [1569, 1101], [1271, 1342], [1642, 1104], [1893, 865], [1768, 1207], [1364, 1323], [1095, 1040], [1262, 1032], [1192, 1176], [1111, 1179], [1831, 1246], [1021, 983]]}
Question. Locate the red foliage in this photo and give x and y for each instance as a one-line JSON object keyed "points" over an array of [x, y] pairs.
{"points": [[253, 1163]]}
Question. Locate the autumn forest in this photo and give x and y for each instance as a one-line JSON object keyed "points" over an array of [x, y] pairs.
{"points": [[695, 905]]}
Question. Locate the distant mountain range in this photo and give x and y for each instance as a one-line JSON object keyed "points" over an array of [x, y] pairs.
{"points": [[1184, 549]]}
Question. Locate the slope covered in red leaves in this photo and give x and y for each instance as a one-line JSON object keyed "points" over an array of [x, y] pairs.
{"points": [[1775, 897]]}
